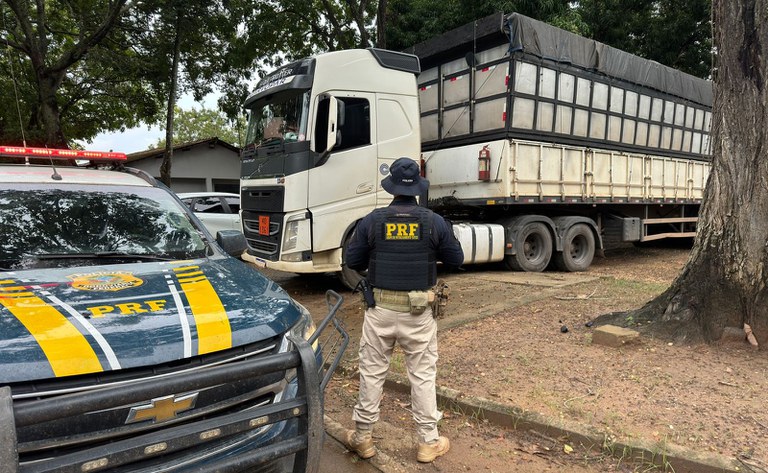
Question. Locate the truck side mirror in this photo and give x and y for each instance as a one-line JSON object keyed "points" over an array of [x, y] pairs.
{"points": [[333, 124], [332, 111]]}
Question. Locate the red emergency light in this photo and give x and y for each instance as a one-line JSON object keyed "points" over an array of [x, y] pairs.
{"points": [[23, 151]]}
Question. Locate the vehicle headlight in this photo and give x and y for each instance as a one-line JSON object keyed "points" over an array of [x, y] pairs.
{"points": [[304, 327], [291, 235]]}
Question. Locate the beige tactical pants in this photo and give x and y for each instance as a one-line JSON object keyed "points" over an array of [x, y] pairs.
{"points": [[417, 336]]}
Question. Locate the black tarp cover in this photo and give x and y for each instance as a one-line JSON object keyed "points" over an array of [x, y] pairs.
{"points": [[545, 41]]}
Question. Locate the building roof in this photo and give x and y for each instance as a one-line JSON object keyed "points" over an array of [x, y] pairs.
{"points": [[158, 152]]}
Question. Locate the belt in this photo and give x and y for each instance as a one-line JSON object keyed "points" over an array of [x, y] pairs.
{"points": [[392, 300]]}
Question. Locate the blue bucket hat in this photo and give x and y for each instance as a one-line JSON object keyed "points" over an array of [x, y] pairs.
{"points": [[404, 178]]}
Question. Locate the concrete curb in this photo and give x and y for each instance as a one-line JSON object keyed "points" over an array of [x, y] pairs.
{"points": [[668, 456]]}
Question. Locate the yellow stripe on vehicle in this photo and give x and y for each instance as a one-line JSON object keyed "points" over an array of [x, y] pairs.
{"points": [[192, 279], [67, 350], [213, 330]]}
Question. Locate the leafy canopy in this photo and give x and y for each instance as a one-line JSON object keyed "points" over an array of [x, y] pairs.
{"points": [[194, 125]]}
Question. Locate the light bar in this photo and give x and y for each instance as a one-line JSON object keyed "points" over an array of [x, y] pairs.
{"points": [[61, 153]]}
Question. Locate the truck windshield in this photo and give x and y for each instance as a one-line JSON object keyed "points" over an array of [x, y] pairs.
{"points": [[76, 225], [279, 118]]}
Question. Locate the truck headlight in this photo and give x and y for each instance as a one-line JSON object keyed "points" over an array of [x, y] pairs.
{"points": [[291, 235]]}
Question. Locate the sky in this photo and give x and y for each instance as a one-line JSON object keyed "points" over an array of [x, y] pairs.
{"points": [[142, 137]]}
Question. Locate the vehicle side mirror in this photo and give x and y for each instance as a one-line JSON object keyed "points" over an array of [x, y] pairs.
{"points": [[333, 123], [232, 242]]}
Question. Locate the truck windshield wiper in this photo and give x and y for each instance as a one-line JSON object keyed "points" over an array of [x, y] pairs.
{"points": [[103, 254]]}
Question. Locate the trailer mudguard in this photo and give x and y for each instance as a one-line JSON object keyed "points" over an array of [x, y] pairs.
{"points": [[562, 224]]}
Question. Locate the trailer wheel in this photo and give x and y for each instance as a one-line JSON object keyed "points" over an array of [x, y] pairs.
{"points": [[534, 249], [349, 277], [578, 249]]}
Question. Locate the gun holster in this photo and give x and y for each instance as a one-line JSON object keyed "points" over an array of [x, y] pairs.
{"points": [[440, 300], [366, 290]]}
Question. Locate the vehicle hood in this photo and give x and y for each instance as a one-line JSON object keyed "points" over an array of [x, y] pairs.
{"points": [[90, 319]]}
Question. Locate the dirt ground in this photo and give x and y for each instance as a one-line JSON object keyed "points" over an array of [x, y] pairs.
{"points": [[525, 341]]}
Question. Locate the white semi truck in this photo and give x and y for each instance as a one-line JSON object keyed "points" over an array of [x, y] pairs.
{"points": [[539, 144]]}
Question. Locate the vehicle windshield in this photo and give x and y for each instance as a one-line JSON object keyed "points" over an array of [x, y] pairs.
{"points": [[75, 225], [280, 118]]}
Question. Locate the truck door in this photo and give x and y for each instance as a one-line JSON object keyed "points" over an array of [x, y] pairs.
{"points": [[343, 188]]}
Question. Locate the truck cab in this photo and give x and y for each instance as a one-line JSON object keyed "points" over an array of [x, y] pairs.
{"points": [[322, 133]]}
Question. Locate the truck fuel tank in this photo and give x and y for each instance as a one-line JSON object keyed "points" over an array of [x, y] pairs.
{"points": [[481, 242]]}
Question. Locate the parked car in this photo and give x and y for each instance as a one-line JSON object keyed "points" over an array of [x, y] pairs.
{"points": [[217, 210], [130, 340]]}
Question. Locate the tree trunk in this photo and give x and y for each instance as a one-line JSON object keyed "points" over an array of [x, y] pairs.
{"points": [[165, 166], [381, 25], [48, 112], [724, 281]]}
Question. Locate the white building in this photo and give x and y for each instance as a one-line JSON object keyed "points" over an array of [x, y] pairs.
{"points": [[208, 165]]}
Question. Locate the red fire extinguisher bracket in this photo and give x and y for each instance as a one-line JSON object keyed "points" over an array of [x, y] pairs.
{"points": [[484, 164]]}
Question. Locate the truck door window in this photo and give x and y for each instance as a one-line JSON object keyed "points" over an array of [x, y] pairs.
{"points": [[356, 128]]}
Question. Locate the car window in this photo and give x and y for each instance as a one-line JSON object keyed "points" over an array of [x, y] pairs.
{"points": [[38, 221], [209, 205], [234, 204]]}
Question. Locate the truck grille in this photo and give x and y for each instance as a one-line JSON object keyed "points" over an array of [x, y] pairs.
{"points": [[263, 202], [264, 246]]}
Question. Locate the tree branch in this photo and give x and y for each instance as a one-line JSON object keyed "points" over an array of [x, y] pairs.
{"points": [[12, 44], [23, 18], [335, 23], [324, 36], [357, 12], [82, 47]]}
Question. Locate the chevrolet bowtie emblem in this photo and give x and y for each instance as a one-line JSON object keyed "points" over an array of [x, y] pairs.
{"points": [[162, 409]]}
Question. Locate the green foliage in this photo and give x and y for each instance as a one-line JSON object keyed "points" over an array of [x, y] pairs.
{"points": [[676, 33], [194, 125], [412, 21], [75, 70]]}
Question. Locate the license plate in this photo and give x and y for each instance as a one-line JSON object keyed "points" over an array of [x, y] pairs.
{"points": [[259, 263], [264, 225]]}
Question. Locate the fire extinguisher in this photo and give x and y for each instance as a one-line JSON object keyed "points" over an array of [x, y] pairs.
{"points": [[484, 164]]}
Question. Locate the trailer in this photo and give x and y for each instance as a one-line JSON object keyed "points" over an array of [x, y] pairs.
{"points": [[539, 144]]}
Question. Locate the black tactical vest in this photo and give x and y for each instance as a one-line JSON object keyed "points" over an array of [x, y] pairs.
{"points": [[402, 259]]}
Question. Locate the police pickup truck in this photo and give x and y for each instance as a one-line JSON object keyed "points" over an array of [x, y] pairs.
{"points": [[132, 340]]}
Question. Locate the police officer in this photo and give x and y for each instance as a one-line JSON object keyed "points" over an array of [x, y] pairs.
{"points": [[400, 245]]}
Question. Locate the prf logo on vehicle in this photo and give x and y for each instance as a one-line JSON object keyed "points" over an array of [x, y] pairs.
{"points": [[111, 281]]}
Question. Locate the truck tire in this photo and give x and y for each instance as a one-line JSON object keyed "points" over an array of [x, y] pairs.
{"points": [[578, 249], [534, 249], [348, 277]]}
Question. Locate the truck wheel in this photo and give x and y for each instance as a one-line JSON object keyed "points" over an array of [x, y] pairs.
{"points": [[578, 249], [349, 277], [534, 249]]}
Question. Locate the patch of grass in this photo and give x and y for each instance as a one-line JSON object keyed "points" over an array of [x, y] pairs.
{"points": [[639, 461], [397, 363], [524, 359]]}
